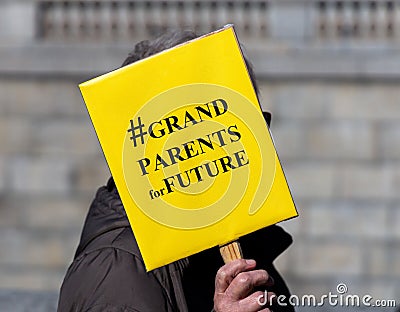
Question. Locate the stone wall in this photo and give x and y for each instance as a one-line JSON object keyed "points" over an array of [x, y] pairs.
{"points": [[338, 143], [50, 165], [336, 113]]}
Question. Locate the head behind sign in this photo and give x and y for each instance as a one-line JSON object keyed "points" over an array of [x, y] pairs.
{"points": [[168, 40]]}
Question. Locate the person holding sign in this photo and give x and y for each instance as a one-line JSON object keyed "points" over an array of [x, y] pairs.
{"points": [[108, 272]]}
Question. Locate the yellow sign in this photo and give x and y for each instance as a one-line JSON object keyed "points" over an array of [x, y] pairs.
{"points": [[189, 150]]}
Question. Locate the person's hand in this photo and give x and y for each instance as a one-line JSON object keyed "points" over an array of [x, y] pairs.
{"points": [[235, 285]]}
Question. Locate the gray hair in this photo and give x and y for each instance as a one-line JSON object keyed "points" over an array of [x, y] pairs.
{"points": [[168, 40]]}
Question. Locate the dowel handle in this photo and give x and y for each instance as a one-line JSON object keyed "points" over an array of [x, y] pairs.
{"points": [[231, 251]]}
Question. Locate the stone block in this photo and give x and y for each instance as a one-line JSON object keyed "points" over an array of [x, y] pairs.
{"points": [[301, 101], [394, 259], [3, 175], [376, 259], [328, 258], [340, 140], [30, 279], [379, 289], [295, 17], [40, 176], [366, 182], [16, 135], [32, 301], [25, 248], [41, 98], [394, 221], [387, 138], [58, 214], [310, 180], [89, 174], [395, 181], [347, 220], [17, 21], [367, 102], [9, 216], [289, 139], [72, 137]]}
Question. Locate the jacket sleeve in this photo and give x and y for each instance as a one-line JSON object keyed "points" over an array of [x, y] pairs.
{"points": [[111, 279]]}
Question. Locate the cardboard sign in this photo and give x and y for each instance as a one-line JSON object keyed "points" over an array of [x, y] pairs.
{"points": [[189, 150]]}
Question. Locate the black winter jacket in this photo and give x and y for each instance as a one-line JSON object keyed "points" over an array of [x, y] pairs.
{"points": [[108, 273]]}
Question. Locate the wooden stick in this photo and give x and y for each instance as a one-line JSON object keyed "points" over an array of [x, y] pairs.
{"points": [[231, 251]]}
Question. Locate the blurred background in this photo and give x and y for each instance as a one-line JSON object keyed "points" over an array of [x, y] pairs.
{"points": [[329, 72]]}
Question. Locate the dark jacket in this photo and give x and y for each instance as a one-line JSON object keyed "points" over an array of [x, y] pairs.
{"points": [[108, 273]]}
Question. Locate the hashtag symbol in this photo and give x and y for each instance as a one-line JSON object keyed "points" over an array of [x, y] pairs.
{"points": [[139, 128]]}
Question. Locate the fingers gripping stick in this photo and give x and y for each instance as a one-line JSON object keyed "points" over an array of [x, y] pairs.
{"points": [[231, 251]]}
